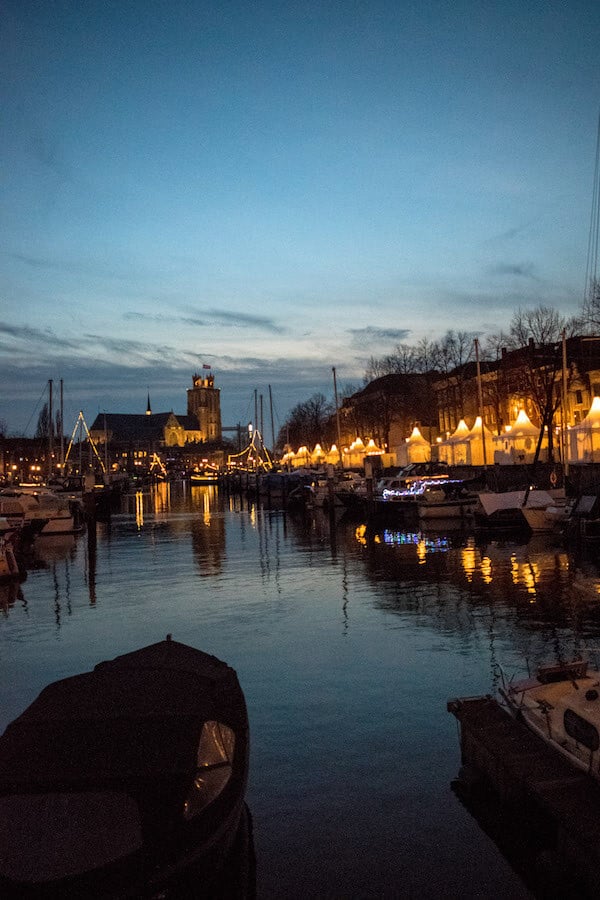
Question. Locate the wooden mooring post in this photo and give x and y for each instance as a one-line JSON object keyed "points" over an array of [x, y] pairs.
{"points": [[535, 785]]}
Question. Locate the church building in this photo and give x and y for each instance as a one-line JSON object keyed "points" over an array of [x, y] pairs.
{"points": [[151, 432]]}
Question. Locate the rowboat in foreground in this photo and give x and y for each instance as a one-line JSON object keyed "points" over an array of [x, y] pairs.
{"points": [[115, 782]]}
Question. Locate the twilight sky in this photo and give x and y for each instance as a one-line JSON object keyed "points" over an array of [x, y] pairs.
{"points": [[275, 189]]}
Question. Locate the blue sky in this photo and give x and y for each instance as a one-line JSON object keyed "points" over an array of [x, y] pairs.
{"points": [[275, 189]]}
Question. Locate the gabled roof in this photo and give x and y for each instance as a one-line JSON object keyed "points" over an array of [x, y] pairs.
{"points": [[189, 423], [395, 383], [132, 426]]}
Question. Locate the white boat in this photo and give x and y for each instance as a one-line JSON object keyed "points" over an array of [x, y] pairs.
{"points": [[346, 489], [42, 511], [514, 509], [561, 704], [448, 501], [12, 513]]}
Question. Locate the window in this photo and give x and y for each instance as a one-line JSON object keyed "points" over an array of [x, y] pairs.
{"points": [[581, 730], [214, 767], [578, 397]]}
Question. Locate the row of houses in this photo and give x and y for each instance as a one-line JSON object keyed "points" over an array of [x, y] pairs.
{"points": [[555, 381]]}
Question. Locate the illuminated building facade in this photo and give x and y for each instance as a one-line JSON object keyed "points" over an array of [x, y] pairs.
{"points": [[506, 385], [150, 432], [204, 404]]}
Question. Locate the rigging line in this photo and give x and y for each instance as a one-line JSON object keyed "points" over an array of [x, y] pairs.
{"points": [[44, 389], [592, 252]]}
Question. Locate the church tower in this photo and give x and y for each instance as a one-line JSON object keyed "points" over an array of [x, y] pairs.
{"points": [[204, 402]]}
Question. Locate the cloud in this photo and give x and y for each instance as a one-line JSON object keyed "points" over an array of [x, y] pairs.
{"points": [[149, 317], [210, 317], [511, 233], [241, 320], [516, 269], [123, 270], [42, 338], [23, 344], [93, 384], [363, 337]]}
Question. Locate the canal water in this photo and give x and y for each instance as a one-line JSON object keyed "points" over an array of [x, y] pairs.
{"points": [[348, 642]]}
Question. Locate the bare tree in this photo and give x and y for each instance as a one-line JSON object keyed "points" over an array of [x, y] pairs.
{"points": [[536, 334], [44, 423], [307, 422], [405, 359], [590, 312], [456, 351]]}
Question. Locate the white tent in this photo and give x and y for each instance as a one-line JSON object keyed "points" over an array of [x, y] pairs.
{"points": [[301, 459], [478, 436], [334, 457], [518, 443], [418, 449], [318, 456], [372, 449], [584, 439], [354, 454], [455, 449]]}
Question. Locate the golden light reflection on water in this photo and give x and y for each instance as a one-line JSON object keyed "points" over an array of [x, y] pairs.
{"points": [[204, 499], [139, 509], [529, 566], [361, 535], [486, 569], [525, 573], [469, 560]]}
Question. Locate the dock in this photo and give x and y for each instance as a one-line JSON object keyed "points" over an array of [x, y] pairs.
{"points": [[534, 784]]}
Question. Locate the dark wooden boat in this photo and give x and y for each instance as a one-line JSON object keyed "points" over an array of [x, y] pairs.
{"points": [[115, 782]]}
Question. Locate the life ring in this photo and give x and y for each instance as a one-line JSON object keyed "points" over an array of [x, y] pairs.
{"points": [[553, 479]]}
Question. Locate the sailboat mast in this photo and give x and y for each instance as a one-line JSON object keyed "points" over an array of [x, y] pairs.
{"points": [[262, 430], [564, 416], [480, 401], [337, 417], [62, 428], [272, 422], [591, 271], [50, 428]]}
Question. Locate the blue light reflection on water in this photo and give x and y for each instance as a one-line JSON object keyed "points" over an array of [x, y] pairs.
{"points": [[347, 645]]}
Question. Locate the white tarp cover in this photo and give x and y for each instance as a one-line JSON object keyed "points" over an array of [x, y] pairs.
{"points": [[492, 502]]}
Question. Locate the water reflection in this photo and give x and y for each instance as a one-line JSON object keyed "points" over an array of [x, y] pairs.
{"points": [[54, 548], [537, 583], [346, 635], [153, 501], [10, 594], [207, 530]]}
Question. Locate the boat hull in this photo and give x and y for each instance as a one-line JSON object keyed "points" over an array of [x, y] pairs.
{"points": [[562, 706], [447, 510], [122, 781]]}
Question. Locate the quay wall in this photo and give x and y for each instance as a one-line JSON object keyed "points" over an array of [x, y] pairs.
{"points": [[539, 791], [580, 478]]}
